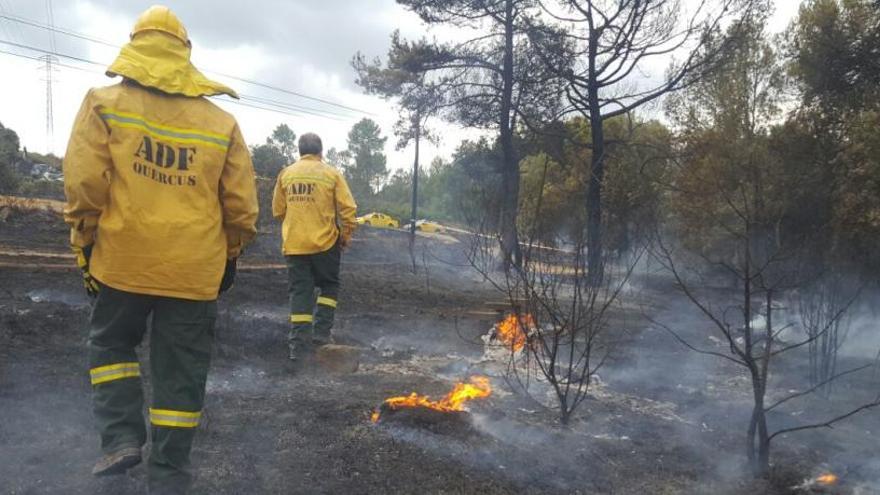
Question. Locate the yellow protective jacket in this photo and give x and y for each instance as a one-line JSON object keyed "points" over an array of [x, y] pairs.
{"points": [[164, 187], [316, 206]]}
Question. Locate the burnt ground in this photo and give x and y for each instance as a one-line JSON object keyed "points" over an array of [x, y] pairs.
{"points": [[661, 420]]}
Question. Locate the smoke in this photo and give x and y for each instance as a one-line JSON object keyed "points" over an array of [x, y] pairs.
{"points": [[388, 334], [531, 465], [73, 299], [654, 363], [714, 395], [655, 400], [870, 471], [257, 324], [241, 379], [532, 456], [863, 338], [532, 452]]}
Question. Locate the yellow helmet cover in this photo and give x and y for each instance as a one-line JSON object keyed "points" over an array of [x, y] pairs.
{"points": [[158, 56], [160, 18]]}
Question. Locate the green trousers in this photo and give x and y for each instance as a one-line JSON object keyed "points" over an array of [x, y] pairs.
{"points": [[181, 339], [311, 316]]}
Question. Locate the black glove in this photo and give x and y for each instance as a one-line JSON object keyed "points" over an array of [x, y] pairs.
{"points": [[83, 257], [228, 275]]}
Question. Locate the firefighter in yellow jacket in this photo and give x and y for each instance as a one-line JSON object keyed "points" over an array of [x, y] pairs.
{"points": [[161, 198], [318, 213]]}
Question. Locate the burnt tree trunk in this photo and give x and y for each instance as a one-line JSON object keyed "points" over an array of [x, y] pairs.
{"points": [[594, 205], [758, 436], [510, 248], [758, 447], [415, 193], [758, 421], [597, 171], [564, 412], [763, 438]]}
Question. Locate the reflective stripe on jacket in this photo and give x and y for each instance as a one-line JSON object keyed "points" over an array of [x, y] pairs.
{"points": [[163, 185], [316, 205]]}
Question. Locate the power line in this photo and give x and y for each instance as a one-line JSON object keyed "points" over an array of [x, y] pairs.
{"points": [[48, 61], [50, 16], [308, 110], [294, 93], [281, 106], [49, 52], [276, 110], [13, 28], [50, 116], [290, 106], [234, 102], [7, 31], [57, 64], [262, 99], [74, 34], [66, 32]]}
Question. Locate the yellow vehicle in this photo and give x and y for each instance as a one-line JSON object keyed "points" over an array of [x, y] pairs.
{"points": [[427, 226], [376, 219]]}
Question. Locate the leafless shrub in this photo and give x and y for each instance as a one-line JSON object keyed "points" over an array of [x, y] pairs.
{"points": [[747, 321], [818, 306], [560, 317]]}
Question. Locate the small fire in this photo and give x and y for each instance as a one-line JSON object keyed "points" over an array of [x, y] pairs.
{"points": [[511, 333], [809, 484], [827, 479], [478, 388]]}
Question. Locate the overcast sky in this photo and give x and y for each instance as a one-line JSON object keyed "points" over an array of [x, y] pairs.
{"points": [[303, 46]]}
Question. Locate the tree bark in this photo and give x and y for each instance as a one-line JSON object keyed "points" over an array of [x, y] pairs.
{"points": [[758, 436], [415, 193], [594, 205], [512, 255], [597, 172]]}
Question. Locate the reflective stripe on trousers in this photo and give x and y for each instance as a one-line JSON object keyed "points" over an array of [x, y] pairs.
{"points": [[327, 301], [301, 318], [110, 372], [174, 419]]}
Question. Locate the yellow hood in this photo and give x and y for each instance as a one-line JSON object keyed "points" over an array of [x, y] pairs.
{"points": [[157, 60]]}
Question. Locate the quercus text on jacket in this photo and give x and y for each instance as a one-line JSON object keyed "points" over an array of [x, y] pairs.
{"points": [[164, 156]]}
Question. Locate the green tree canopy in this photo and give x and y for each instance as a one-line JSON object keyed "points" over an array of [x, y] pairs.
{"points": [[832, 138], [277, 152], [834, 47], [284, 139], [366, 172], [9, 153]]}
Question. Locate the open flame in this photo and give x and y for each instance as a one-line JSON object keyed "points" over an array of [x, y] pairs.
{"points": [[827, 479], [511, 333], [824, 479], [477, 388]]}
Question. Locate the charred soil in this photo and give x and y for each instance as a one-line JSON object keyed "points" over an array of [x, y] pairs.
{"points": [[276, 427]]}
